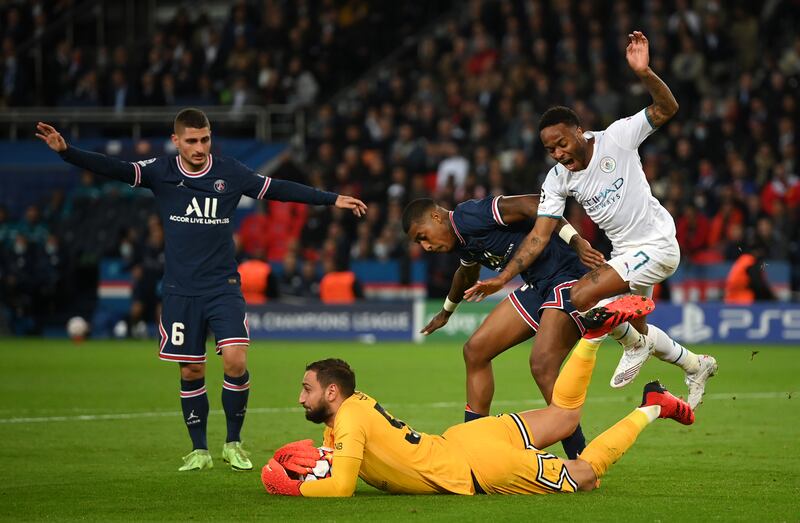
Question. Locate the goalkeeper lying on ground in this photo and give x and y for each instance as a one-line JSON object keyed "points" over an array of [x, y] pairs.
{"points": [[492, 455]]}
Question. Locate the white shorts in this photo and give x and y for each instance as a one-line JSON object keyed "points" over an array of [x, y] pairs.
{"points": [[647, 265]]}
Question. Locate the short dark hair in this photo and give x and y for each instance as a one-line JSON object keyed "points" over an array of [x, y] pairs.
{"points": [[415, 210], [334, 370], [559, 114], [191, 117]]}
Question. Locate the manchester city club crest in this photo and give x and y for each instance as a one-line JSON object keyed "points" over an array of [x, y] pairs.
{"points": [[607, 164], [220, 185]]}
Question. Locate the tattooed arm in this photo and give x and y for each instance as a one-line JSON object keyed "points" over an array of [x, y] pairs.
{"points": [[526, 254], [664, 105]]}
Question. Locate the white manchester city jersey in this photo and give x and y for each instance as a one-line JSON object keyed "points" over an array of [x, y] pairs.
{"points": [[613, 189]]}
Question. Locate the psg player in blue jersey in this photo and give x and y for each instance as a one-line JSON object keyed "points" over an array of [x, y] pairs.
{"points": [[487, 232], [197, 193]]}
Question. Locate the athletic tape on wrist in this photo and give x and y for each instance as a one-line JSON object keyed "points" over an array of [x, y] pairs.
{"points": [[567, 232], [449, 306]]}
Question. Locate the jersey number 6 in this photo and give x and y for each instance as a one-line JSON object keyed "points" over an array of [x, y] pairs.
{"points": [[177, 334]]}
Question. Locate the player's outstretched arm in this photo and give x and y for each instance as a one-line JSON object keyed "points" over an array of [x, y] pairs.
{"points": [[664, 104], [526, 254], [464, 277], [94, 162], [286, 191]]}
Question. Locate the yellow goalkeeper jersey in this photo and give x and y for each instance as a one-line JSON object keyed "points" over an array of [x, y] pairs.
{"points": [[394, 457]]}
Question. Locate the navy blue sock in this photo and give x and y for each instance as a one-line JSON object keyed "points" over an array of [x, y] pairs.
{"points": [[470, 415], [235, 392], [194, 402], [575, 443]]}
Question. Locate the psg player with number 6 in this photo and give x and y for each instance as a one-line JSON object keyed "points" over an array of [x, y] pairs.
{"points": [[196, 194]]}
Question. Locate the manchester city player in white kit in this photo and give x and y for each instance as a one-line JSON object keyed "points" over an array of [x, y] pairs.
{"points": [[603, 172]]}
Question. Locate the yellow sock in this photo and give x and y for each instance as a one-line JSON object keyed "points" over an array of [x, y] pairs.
{"points": [[569, 391], [608, 447]]}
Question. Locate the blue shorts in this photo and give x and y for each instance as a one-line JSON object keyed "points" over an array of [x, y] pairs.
{"points": [[185, 320], [530, 301]]}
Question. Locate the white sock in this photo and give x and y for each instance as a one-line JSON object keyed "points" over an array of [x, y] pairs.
{"points": [[666, 349], [625, 334], [651, 411]]}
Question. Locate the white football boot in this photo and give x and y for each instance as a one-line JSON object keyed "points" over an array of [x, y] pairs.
{"points": [[631, 362], [697, 380]]}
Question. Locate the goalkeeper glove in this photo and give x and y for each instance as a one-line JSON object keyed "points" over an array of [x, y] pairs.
{"points": [[298, 457], [276, 481]]}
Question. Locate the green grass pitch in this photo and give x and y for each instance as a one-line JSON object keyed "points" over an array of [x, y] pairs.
{"points": [[93, 432]]}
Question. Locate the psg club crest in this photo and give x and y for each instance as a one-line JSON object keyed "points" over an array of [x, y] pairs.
{"points": [[607, 164], [220, 185]]}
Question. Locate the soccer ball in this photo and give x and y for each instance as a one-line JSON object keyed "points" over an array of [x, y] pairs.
{"points": [[322, 469], [77, 328]]}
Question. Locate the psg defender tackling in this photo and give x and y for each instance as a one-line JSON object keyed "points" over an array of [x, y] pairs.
{"points": [[197, 194], [603, 172], [486, 232]]}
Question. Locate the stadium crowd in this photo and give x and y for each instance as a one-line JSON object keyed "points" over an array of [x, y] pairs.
{"points": [[456, 116], [265, 52]]}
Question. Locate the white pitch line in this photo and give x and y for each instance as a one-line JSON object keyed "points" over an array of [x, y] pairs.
{"points": [[718, 396]]}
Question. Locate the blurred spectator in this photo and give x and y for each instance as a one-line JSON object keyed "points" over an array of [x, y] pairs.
{"points": [[311, 280], [692, 232], [291, 282], [339, 285], [362, 248], [747, 282], [120, 93], [252, 231], [300, 85], [6, 228], [51, 268], [451, 174], [779, 188], [32, 227], [20, 285], [147, 271], [258, 281], [768, 241], [13, 78]]}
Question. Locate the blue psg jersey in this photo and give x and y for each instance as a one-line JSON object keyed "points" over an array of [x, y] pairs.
{"points": [[196, 210], [484, 238]]}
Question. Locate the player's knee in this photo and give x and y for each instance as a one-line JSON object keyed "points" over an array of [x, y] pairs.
{"points": [[581, 297], [235, 368], [192, 371], [234, 361], [473, 355], [543, 371]]}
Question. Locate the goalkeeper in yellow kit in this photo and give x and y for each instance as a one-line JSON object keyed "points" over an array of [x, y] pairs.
{"points": [[492, 455]]}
